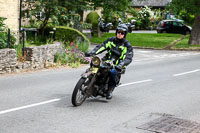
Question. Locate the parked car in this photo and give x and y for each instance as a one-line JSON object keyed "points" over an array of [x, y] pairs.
{"points": [[173, 26]]}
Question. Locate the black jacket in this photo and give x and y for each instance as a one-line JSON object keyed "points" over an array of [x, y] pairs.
{"points": [[120, 49]]}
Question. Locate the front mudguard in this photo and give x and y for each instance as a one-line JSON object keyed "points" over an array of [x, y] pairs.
{"points": [[92, 78], [87, 74]]}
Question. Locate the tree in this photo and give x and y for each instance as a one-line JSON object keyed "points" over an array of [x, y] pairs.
{"points": [[42, 11], [111, 7], [58, 12], [190, 6], [75, 9]]}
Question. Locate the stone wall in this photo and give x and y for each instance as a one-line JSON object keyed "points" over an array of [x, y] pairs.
{"points": [[35, 58], [8, 60], [42, 56]]}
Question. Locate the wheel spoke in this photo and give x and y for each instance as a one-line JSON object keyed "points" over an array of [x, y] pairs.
{"points": [[80, 94]]}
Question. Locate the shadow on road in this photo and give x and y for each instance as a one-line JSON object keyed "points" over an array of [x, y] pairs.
{"points": [[65, 101], [97, 100]]}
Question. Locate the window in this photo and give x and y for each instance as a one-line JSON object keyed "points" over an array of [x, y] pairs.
{"points": [[180, 24], [174, 23]]}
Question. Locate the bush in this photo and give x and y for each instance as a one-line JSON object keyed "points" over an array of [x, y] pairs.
{"points": [[92, 18], [145, 15], [188, 18], [4, 35], [67, 34], [138, 25], [3, 40], [71, 55]]}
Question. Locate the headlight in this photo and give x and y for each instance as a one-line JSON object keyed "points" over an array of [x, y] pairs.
{"points": [[96, 61]]}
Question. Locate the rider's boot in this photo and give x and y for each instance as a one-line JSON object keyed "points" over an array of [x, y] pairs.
{"points": [[109, 93]]}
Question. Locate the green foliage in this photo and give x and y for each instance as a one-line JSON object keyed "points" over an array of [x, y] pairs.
{"points": [[42, 12], [18, 49], [82, 46], [145, 16], [73, 11], [115, 5], [92, 18], [185, 9], [86, 25], [67, 34], [57, 12], [112, 8], [4, 35], [60, 58], [190, 6], [71, 55], [2, 25], [187, 17], [138, 25], [3, 40], [38, 41]]}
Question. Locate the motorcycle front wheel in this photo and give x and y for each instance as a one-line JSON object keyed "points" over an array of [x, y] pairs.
{"points": [[79, 94]]}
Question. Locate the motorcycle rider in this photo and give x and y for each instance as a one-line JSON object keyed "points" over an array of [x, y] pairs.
{"points": [[120, 49]]}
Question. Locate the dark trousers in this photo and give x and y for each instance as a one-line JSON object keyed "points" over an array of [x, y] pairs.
{"points": [[113, 78]]}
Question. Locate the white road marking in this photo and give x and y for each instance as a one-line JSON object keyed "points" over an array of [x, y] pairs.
{"points": [[166, 56], [28, 106], [58, 99], [137, 82], [143, 51], [179, 74]]}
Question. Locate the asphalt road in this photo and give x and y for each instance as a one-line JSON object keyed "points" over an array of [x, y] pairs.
{"points": [[155, 84]]}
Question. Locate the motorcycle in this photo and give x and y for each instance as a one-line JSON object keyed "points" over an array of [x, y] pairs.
{"points": [[94, 81], [131, 25], [103, 26]]}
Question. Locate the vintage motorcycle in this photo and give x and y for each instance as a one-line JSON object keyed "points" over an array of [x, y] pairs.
{"points": [[103, 26], [93, 82], [131, 25]]}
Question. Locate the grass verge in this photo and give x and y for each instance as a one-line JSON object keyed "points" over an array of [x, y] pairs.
{"points": [[184, 45], [144, 40]]}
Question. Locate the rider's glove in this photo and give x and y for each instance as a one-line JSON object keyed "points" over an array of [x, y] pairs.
{"points": [[119, 67], [89, 53]]}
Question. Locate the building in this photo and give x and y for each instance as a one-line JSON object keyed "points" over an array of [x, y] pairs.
{"points": [[10, 9], [155, 4]]}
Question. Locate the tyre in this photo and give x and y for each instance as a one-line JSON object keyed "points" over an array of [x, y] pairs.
{"points": [[187, 33], [79, 94]]}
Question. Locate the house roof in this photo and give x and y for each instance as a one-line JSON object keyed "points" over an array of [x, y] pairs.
{"points": [[152, 3]]}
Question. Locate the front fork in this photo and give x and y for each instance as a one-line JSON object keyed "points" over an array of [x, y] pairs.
{"points": [[91, 85], [92, 77]]}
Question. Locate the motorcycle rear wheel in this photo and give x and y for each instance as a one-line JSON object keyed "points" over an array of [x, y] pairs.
{"points": [[79, 94]]}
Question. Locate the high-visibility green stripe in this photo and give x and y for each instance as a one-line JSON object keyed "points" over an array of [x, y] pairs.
{"points": [[124, 57], [122, 47], [116, 62], [100, 50], [110, 44], [125, 50], [123, 53], [113, 44]]}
